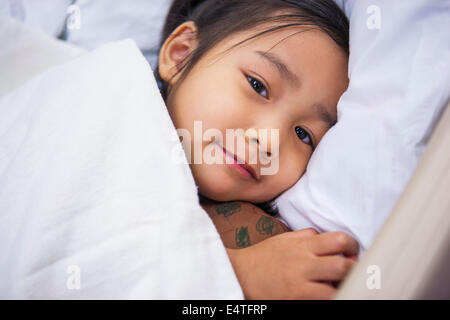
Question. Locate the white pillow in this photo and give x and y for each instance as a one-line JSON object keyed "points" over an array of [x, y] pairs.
{"points": [[94, 23], [47, 16], [102, 22], [25, 52], [399, 83]]}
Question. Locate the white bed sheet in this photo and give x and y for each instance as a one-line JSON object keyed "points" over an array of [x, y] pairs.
{"points": [[89, 195]]}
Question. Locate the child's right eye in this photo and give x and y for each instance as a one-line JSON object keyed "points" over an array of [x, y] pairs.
{"points": [[303, 134], [258, 87]]}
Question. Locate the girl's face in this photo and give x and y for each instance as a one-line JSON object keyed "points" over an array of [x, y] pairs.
{"points": [[293, 86]]}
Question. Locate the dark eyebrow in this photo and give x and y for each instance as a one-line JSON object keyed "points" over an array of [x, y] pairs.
{"points": [[324, 115], [281, 67]]}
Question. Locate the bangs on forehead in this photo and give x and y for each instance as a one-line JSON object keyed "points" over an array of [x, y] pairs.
{"points": [[217, 20]]}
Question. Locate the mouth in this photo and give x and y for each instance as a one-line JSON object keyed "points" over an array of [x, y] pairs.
{"points": [[243, 168]]}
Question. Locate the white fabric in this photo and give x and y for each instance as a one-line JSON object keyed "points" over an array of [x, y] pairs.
{"points": [[90, 196], [399, 84], [101, 22], [95, 22], [26, 52], [47, 16]]}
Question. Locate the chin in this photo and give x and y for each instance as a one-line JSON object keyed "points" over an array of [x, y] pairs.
{"points": [[215, 186], [215, 191]]}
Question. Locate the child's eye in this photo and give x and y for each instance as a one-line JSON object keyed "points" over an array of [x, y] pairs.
{"points": [[258, 87], [303, 135]]}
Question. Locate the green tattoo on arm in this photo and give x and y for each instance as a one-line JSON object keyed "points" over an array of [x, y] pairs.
{"points": [[242, 237], [267, 226], [228, 208]]}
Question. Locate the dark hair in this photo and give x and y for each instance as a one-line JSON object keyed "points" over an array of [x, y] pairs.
{"points": [[218, 19]]}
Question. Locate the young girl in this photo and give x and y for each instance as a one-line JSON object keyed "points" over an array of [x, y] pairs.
{"points": [[268, 64]]}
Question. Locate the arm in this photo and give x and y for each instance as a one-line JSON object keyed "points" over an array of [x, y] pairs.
{"points": [[242, 224], [272, 263]]}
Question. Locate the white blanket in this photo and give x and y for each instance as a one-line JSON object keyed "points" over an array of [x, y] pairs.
{"points": [[25, 52], [91, 203]]}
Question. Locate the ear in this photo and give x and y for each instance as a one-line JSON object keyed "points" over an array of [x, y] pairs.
{"points": [[176, 49]]}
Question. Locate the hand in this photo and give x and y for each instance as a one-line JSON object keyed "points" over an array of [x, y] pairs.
{"points": [[294, 265]]}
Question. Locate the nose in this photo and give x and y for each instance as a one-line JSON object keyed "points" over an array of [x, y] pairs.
{"points": [[263, 138]]}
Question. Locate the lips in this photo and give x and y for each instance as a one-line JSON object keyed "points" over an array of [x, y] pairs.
{"points": [[249, 169]]}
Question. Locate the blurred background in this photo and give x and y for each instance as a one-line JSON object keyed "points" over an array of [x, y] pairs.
{"points": [[91, 23]]}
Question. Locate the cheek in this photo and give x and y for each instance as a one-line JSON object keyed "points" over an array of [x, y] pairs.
{"points": [[292, 168], [213, 95], [211, 104], [210, 184]]}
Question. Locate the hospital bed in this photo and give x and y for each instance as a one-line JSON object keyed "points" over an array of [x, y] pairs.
{"points": [[410, 256]]}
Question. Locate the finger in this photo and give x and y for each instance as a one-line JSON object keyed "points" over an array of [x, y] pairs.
{"points": [[305, 233], [316, 291], [330, 243], [330, 268]]}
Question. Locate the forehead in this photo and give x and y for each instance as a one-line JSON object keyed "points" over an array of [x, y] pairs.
{"points": [[302, 49], [308, 55], [289, 36]]}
